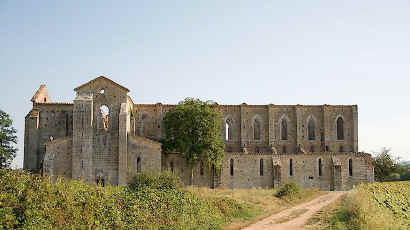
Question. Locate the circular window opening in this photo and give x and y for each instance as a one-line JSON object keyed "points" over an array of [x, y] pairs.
{"points": [[102, 91], [104, 110]]}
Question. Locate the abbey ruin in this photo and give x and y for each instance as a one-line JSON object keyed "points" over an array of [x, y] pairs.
{"points": [[103, 136]]}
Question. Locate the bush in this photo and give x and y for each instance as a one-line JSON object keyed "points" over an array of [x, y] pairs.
{"points": [[32, 202], [289, 190], [162, 181]]}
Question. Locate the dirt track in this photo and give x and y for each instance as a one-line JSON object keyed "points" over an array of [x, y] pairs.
{"points": [[295, 217]]}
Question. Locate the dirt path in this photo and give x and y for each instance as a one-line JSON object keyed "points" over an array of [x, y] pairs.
{"points": [[295, 217]]}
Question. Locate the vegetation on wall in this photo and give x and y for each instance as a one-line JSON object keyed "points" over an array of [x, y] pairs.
{"points": [[193, 129], [32, 202], [8, 139]]}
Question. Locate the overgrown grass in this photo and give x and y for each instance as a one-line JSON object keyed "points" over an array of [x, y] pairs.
{"points": [[31, 202], [372, 206]]}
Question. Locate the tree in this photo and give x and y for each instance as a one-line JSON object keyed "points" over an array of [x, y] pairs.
{"points": [[193, 129], [8, 139], [385, 165]]}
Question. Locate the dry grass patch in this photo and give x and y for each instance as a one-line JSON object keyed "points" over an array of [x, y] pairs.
{"points": [[320, 219], [262, 202]]}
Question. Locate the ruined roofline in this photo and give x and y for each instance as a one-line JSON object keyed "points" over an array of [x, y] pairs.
{"points": [[53, 103], [358, 154], [101, 78], [246, 105], [145, 139]]}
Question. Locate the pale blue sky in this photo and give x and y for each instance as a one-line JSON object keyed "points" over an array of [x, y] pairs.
{"points": [[259, 52]]}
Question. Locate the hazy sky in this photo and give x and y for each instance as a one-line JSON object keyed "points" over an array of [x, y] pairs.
{"points": [[259, 52]]}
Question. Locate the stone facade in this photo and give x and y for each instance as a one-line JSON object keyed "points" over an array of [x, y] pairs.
{"points": [[103, 135]]}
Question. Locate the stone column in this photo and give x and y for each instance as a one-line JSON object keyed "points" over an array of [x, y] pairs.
{"points": [[271, 120], [244, 126], [82, 136], [31, 141], [355, 129], [123, 144], [299, 126]]}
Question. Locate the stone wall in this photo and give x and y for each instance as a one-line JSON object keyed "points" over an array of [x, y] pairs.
{"points": [[148, 122], [247, 171], [108, 146], [57, 160], [44, 121], [144, 156], [174, 163], [305, 170], [96, 138]]}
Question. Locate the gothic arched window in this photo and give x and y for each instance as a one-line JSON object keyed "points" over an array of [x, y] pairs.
{"points": [[311, 129], [104, 123], [228, 130], [340, 129], [350, 167], [284, 129], [256, 130]]}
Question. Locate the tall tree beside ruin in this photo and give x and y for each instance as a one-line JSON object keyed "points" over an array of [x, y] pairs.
{"points": [[193, 129], [385, 165], [8, 139]]}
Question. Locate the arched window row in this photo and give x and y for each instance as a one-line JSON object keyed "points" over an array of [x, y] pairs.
{"points": [[284, 129]]}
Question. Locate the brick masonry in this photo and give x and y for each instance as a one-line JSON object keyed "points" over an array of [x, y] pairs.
{"points": [[77, 140]]}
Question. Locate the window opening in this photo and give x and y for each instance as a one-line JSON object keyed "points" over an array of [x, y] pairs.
{"points": [[201, 169], [104, 111], [284, 129], [340, 127], [231, 166], [228, 130], [138, 165], [311, 129], [291, 167], [256, 130], [320, 167]]}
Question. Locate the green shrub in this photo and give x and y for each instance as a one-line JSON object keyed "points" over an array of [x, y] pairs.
{"points": [[164, 180], [141, 181], [288, 190], [31, 202]]}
